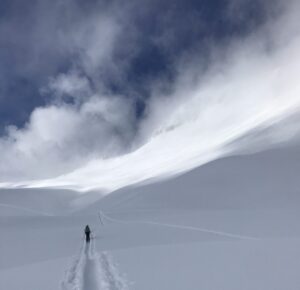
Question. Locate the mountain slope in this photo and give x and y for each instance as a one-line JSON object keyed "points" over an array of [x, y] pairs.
{"points": [[262, 180]]}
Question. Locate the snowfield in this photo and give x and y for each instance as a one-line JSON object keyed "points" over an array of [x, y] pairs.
{"points": [[229, 224]]}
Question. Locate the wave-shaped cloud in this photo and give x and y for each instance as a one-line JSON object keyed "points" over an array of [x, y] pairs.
{"points": [[89, 138]]}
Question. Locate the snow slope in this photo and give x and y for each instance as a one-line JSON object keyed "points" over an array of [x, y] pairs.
{"points": [[230, 224], [264, 180]]}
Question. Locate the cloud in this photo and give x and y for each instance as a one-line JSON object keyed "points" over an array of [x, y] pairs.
{"points": [[60, 138], [71, 84], [88, 136]]}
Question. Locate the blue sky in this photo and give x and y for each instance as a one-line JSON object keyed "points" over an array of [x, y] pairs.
{"points": [[36, 43]]}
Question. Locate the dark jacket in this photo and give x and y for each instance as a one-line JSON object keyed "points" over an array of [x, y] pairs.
{"points": [[87, 230]]}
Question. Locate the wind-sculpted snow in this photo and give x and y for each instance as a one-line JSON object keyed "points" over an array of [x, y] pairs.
{"points": [[93, 271]]}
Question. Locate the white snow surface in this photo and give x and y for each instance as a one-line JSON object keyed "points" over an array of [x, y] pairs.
{"points": [[93, 271], [230, 224]]}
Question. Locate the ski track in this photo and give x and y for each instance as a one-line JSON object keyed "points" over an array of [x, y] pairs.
{"points": [[191, 228], [93, 271]]}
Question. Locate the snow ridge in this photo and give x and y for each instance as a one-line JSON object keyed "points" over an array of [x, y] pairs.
{"points": [[93, 271]]}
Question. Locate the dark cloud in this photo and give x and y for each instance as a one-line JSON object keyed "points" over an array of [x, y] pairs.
{"points": [[40, 39]]}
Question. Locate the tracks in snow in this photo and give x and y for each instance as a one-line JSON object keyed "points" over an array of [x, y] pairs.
{"points": [[93, 271], [181, 227]]}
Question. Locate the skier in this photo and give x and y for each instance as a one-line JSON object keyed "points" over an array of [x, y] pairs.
{"points": [[87, 232]]}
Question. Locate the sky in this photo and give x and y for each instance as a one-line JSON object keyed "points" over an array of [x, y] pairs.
{"points": [[103, 94]]}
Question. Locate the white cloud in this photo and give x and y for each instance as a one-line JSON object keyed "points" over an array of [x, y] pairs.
{"points": [[71, 84], [86, 144], [62, 138]]}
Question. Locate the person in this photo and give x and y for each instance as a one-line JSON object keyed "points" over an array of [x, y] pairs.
{"points": [[87, 232]]}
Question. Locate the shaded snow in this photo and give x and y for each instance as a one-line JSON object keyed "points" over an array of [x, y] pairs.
{"points": [[231, 224]]}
